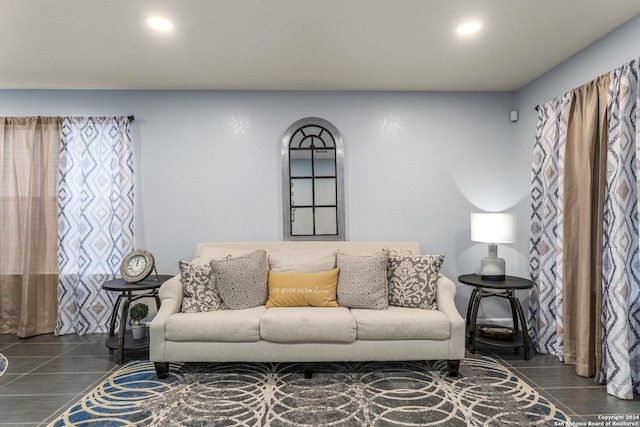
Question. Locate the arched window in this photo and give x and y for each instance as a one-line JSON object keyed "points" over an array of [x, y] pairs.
{"points": [[313, 181]]}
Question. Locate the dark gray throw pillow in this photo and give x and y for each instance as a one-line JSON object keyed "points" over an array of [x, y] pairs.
{"points": [[199, 288], [412, 280]]}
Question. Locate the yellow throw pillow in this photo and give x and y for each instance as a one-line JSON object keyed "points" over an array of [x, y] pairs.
{"points": [[303, 289]]}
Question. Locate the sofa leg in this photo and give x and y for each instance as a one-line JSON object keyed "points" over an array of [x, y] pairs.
{"points": [[454, 367], [308, 370], [162, 369]]}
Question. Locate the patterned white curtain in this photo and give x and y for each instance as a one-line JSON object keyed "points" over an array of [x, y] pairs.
{"points": [[95, 224], [621, 266], [546, 257], [620, 368]]}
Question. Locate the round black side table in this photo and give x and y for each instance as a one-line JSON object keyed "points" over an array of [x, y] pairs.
{"points": [[503, 289], [129, 292]]}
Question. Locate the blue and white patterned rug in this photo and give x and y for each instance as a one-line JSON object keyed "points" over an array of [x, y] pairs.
{"points": [[339, 394], [3, 364]]}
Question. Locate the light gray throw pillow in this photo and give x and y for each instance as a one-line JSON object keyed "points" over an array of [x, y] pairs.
{"points": [[242, 281], [362, 282]]}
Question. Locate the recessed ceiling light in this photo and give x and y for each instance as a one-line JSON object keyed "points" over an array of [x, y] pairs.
{"points": [[159, 23], [469, 28]]}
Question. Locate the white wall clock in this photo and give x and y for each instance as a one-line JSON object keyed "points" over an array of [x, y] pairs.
{"points": [[137, 265]]}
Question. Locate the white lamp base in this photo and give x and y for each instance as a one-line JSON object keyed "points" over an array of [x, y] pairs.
{"points": [[492, 267]]}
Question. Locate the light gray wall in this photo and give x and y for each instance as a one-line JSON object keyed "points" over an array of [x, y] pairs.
{"points": [[610, 52], [207, 164]]}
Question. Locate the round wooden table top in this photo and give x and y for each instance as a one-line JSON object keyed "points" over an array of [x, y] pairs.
{"points": [[147, 284], [510, 282]]}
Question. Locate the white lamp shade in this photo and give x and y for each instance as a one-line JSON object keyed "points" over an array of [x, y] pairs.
{"points": [[493, 227]]}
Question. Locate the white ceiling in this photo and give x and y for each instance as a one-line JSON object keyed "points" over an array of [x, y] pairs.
{"points": [[295, 44]]}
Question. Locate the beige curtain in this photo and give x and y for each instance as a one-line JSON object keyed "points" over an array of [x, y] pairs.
{"points": [[29, 152], [584, 192]]}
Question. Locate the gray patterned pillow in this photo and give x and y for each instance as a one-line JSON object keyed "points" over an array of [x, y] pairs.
{"points": [[199, 288], [242, 281], [362, 282], [412, 280]]}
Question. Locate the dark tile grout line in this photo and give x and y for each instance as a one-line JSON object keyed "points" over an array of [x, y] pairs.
{"points": [[47, 359], [543, 390], [31, 372], [19, 376], [559, 404], [79, 396], [544, 367], [539, 389]]}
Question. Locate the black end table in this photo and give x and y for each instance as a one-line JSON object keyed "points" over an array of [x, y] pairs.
{"points": [[130, 292], [504, 289]]}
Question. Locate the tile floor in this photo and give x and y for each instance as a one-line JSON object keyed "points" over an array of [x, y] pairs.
{"points": [[37, 387], [581, 398]]}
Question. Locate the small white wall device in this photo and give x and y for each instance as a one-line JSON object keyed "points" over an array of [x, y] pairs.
{"points": [[513, 116]]}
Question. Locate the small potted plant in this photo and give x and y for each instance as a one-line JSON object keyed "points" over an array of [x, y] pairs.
{"points": [[138, 312]]}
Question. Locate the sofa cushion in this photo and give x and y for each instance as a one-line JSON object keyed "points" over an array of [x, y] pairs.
{"points": [[400, 323], [199, 288], [221, 325], [303, 289], [303, 261], [412, 280], [362, 282], [308, 324], [242, 281]]}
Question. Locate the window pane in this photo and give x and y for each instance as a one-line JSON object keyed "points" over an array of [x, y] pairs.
{"points": [[301, 192], [296, 139], [302, 221], [326, 191], [300, 163], [324, 163], [326, 221]]}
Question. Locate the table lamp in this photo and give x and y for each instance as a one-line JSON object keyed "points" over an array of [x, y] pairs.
{"points": [[493, 228]]}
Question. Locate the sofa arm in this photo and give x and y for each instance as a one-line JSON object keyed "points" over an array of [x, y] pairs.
{"points": [[170, 303], [445, 294]]}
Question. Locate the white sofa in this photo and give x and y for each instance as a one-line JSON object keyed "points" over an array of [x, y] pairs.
{"points": [[280, 334]]}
